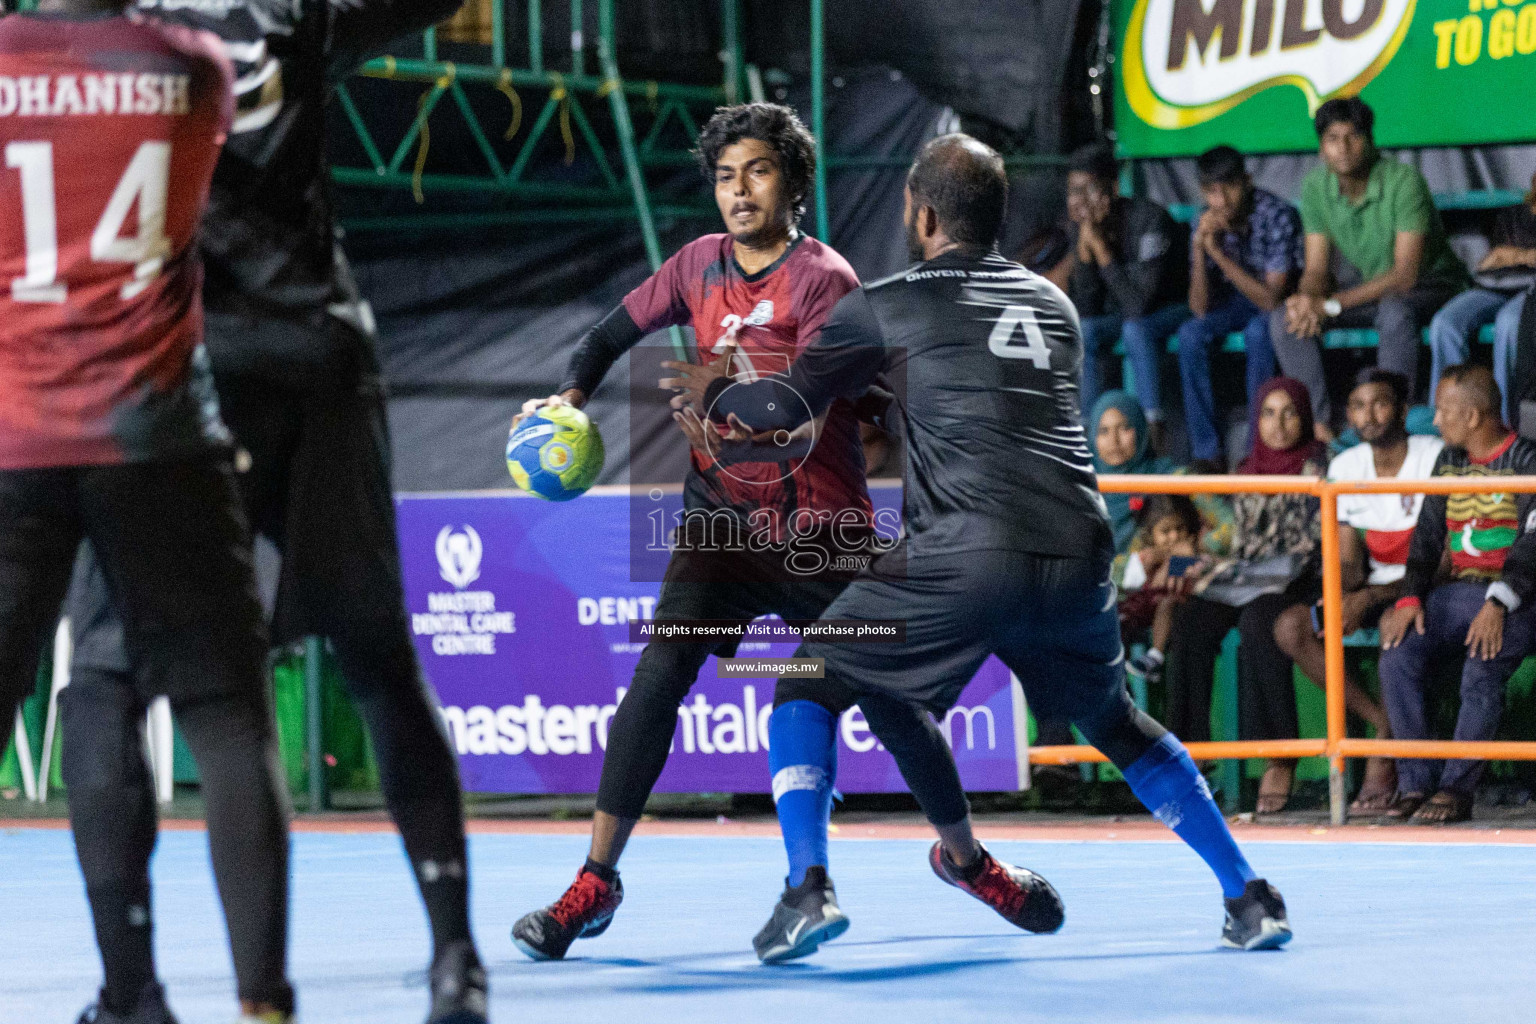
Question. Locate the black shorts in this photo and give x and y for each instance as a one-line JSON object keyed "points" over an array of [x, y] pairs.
{"points": [[318, 485], [1051, 620], [175, 559], [313, 471]]}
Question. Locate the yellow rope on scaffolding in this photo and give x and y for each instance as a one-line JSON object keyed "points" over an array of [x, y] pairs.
{"points": [[505, 88], [424, 138], [563, 97]]}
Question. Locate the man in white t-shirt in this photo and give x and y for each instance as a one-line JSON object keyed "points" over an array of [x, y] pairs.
{"points": [[1374, 550]]}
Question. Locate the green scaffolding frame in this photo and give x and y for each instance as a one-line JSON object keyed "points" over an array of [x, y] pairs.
{"points": [[619, 190], [664, 105]]}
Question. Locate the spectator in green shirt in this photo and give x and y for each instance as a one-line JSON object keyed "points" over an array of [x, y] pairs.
{"points": [[1394, 267]]}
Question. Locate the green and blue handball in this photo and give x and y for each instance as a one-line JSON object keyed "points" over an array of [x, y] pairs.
{"points": [[556, 453]]}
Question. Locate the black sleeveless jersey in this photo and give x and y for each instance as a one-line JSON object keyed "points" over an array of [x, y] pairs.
{"points": [[983, 357]]}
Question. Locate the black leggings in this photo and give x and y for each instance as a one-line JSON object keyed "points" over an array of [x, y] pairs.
{"points": [[1121, 732], [640, 735], [702, 583], [112, 813], [1266, 693], [417, 771]]}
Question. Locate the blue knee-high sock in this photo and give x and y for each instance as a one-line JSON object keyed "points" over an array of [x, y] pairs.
{"points": [[802, 754], [1166, 780]]}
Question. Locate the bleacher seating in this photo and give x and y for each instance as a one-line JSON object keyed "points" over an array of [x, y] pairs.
{"points": [[1485, 199]]}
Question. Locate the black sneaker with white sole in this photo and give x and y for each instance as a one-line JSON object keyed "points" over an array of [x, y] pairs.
{"points": [[583, 911], [1256, 919], [805, 916]]}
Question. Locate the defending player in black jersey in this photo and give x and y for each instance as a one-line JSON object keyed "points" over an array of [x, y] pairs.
{"points": [[299, 385], [1007, 542]]}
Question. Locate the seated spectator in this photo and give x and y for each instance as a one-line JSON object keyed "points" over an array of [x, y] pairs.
{"points": [[1158, 575], [1126, 277], [1120, 439], [1485, 615], [1245, 254], [1501, 282], [1373, 546], [1377, 214], [1274, 566]]}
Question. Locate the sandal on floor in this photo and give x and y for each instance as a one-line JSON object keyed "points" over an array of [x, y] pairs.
{"points": [[1444, 808], [1403, 806], [1272, 800], [1374, 803]]}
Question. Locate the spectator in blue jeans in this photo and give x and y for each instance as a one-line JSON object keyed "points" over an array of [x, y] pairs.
{"points": [[1126, 276], [1245, 255], [1501, 283], [1485, 615]]}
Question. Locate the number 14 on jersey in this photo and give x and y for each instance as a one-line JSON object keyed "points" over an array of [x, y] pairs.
{"points": [[144, 182]]}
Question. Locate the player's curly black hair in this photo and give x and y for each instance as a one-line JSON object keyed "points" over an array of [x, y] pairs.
{"points": [[774, 124]]}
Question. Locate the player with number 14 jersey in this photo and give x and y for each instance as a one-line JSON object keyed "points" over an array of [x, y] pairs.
{"points": [[106, 174]]}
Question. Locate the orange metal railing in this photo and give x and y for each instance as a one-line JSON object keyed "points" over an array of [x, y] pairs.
{"points": [[1335, 746]]}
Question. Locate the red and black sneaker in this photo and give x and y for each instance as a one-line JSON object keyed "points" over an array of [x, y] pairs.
{"points": [[1023, 898], [584, 911]]}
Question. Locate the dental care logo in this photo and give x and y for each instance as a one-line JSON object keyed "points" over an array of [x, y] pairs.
{"points": [[1188, 61], [461, 621], [458, 556]]}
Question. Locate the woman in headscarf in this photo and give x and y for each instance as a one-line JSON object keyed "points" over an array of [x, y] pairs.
{"points": [[1275, 562], [1122, 445], [1121, 442]]}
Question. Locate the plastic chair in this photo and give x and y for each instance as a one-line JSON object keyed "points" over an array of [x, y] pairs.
{"points": [[24, 758]]}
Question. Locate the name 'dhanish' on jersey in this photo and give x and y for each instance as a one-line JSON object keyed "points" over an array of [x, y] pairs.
{"points": [[55, 96]]}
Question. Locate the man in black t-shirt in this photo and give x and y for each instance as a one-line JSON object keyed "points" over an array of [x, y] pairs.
{"points": [[1128, 277], [1498, 297], [1007, 542]]}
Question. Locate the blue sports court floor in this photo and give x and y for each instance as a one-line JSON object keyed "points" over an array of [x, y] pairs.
{"points": [[1389, 932]]}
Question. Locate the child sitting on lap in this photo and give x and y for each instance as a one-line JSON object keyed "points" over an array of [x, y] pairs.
{"points": [[1159, 575]]}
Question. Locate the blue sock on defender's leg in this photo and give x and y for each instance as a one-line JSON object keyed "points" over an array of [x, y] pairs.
{"points": [[1166, 780], [802, 755]]}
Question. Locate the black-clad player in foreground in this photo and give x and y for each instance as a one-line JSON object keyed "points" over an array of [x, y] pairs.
{"points": [[106, 434], [300, 388], [1007, 542]]}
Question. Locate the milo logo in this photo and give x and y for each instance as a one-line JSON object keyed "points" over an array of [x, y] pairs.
{"points": [[1187, 61]]}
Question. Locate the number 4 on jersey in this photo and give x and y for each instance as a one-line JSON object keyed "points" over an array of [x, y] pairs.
{"points": [[1015, 320], [144, 183]]}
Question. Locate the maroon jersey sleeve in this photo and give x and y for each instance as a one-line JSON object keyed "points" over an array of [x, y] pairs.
{"points": [[825, 282], [662, 300]]}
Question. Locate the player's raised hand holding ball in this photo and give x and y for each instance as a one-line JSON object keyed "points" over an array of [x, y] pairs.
{"points": [[554, 450]]}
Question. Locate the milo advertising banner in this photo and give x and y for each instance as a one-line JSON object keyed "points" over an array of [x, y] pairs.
{"points": [[1191, 74], [527, 616]]}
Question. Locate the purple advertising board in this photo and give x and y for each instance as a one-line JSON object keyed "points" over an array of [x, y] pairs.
{"points": [[521, 612]]}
